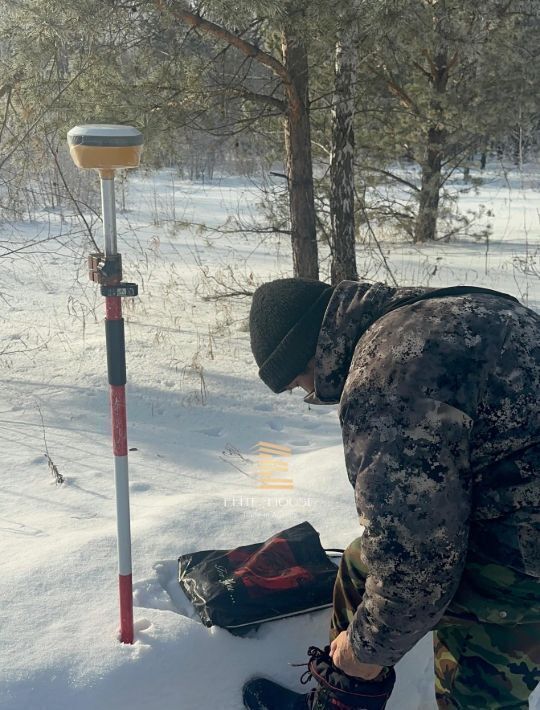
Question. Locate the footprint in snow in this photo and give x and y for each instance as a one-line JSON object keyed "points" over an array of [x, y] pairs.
{"points": [[149, 594], [311, 425], [15, 528], [142, 624], [212, 431], [276, 426], [139, 487]]}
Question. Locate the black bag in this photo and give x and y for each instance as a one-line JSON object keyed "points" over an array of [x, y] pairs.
{"points": [[239, 589]]}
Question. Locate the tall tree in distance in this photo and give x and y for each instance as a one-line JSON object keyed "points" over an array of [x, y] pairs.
{"points": [[343, 233], [297, 128], [440, 65], [291, 69], [438, 82]]}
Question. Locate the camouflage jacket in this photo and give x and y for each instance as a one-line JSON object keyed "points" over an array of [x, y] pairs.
{"points": [[439, 409]]}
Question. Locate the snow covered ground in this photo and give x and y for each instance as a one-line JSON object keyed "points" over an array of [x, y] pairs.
{"points": [[196, 409]]}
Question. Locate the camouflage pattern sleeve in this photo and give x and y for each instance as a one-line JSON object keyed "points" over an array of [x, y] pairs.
{"points": [[438, 403], [407, 454]]}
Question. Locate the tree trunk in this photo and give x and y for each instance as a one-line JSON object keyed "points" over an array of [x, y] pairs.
{"points": [[299, 160], [342, 159], [428, 208], [293, 72]]}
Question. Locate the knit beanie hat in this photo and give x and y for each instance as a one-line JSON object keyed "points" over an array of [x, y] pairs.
{"points": [[284, 323]]}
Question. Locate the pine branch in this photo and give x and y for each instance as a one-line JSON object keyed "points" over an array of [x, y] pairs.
{"points": [[424, 71], [51, 104], [392, 176], [395, 88], [54, 154], [379, 247], [261, 98], [228, 294], [250, 50]]}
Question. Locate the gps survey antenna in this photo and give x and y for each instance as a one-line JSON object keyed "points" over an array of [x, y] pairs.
{"points": [[106, 148]]}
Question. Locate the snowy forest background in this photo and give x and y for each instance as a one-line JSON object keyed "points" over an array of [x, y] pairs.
{"points": [[363, 111], [388, 141]]}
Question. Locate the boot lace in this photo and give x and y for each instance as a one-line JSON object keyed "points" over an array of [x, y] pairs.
{"points": [[314, 654]]}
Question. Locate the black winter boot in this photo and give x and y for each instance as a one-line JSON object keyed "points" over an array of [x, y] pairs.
{"points": [[264, 694], [335, 690]]}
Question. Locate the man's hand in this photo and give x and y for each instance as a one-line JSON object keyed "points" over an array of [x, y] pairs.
{"points": [[343, 658]]}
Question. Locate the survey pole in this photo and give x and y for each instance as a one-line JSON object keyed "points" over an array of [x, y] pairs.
{"points": [[106, 148]]}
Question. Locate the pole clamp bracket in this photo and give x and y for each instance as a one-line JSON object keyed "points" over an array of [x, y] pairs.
{"points": [[123, 290], [105, 270]]}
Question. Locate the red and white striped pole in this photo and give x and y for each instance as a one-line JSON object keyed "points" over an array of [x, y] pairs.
{"points": [[106, 148], [116, 367]]}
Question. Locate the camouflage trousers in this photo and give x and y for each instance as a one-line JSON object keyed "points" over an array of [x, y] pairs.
{"points": [[478, 663]]}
